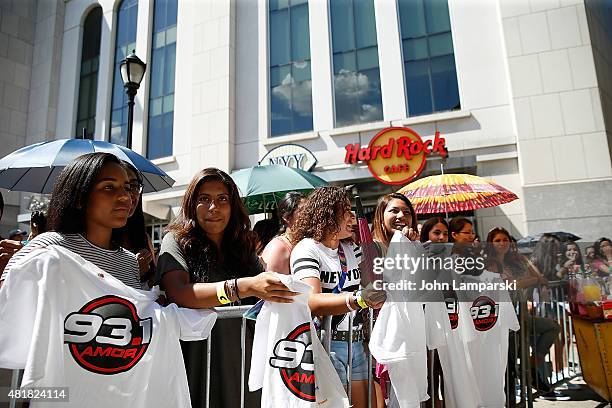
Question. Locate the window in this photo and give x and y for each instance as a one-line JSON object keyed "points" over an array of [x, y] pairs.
{"points": [[125, 43], [161, 96], [429, 59], [356, 72], [290, 80], [156, 233], [88, 83]]}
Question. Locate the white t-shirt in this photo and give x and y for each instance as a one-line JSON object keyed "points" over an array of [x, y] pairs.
{"points": [[288, 360], [488, 351], [120, 262], [312, 259], [404, 330], [68, 323], [460, 385]]}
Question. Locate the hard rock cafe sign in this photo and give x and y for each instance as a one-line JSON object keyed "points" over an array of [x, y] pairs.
{"points": [[395, 155]]}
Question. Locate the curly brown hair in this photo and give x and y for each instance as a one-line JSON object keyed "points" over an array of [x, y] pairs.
{"points": [[321, 213]]}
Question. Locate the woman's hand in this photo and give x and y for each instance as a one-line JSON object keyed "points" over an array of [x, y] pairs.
{"points": [[410, 233], [7, 250], [144, 258], [266, 286], [373, 298]]}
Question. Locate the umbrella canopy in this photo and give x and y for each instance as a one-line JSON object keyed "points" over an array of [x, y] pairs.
{"points": [[532, 240], [262, 186], [455, 192], [35, 168]]}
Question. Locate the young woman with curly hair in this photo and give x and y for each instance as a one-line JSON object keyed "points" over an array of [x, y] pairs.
{"points": [[331, 266], [208, 258]]}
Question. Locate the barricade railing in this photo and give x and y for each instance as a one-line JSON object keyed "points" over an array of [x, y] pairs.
{"points": [[522, 349], [545, 314]]}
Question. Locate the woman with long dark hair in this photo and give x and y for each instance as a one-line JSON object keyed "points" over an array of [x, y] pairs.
{"points": [[133, 236], [516, 267], [90, 198], [603, 257], [208, 259], [570, 261], [546, 255], [276, 254], [394, 212]]}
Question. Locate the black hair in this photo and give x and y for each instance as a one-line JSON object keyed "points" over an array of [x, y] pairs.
{"points": [[428, 226], [265, 230], [287, 206], [545, 256], [68, 205], [133, 236], [597, 246], [456, 225], [38, 219]]}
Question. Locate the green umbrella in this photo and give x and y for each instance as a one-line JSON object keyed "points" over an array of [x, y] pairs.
{"points": [[262, 187]]}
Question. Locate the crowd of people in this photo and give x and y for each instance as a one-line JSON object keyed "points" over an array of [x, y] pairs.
{"points": [[210, 256]]}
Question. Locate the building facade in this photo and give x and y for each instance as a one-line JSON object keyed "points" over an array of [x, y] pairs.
{"points": [[521, 90]]}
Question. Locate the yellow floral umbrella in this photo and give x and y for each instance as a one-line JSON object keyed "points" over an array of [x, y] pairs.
{"points": [[455, 192]]}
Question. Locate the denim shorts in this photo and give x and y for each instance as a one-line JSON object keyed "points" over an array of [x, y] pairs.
{"points": [[339, 357]]}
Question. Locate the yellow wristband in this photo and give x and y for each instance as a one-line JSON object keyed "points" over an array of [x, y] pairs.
{"points": [[221, 295], [362, 304]]}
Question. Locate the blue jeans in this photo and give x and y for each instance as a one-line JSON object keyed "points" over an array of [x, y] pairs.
{"points": [[339, 357]]}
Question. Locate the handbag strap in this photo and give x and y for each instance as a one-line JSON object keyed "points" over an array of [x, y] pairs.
{"points": [[344, 274]]}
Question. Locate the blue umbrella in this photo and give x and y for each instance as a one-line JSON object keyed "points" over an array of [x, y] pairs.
{"points": [[35, 168]]}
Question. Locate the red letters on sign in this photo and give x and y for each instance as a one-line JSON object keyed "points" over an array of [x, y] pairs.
{"points": [[406, 148]]}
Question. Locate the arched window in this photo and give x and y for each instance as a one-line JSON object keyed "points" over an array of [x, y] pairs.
{"points": [[290, 80], [357, 94], [429, 59], [161, 96], [88, 83], [125, 43]]}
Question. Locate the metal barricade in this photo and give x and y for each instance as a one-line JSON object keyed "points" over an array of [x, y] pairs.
{"points": [[230, 312], [539, 369], [522, 347]]}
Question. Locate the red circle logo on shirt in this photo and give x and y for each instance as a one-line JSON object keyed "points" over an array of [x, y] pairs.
{"points": [[484, 313], [452, 308], [293, 357], [106, 336]]}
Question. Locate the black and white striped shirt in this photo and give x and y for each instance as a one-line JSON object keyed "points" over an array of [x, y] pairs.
{"points": [[120, 262]]}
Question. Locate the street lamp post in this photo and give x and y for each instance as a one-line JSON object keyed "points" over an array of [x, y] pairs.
{"points": [[132, 71]]}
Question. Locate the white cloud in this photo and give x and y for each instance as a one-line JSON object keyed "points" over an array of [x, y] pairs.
{"points": [[302, 95], [350, 87]]}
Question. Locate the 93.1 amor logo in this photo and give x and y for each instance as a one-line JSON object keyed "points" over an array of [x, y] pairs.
{"points": [[484, 313], [293, 357], [106, 336]]}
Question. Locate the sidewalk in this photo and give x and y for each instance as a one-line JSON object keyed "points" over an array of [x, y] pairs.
{"points": [[581, 397]]}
